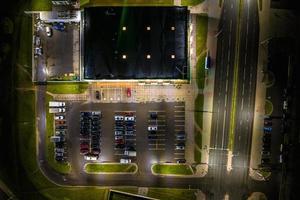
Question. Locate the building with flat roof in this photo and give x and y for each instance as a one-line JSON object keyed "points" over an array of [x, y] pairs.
{"points": [[134, 43]]}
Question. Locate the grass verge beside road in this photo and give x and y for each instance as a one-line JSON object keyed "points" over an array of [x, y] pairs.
{"points": [[199, 110], [110, 168], [268, 107], [190, 2], [172, 169], [61, 167], [201, 33], [200, 72], [67, 88], [41, 5]]}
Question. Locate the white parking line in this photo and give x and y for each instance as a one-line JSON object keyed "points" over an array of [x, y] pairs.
{"points": [[177, 158], [178, 130], [157, 144], [179, 106], [179, 111], [179, 124], [176, 153], [156, 111], [158, 149], [179, 116], [179, 120], [119, 154]]}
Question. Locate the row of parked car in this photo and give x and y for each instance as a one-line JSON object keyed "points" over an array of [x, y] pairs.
{"points": [[124, 133], [90, 132], [266, 147], [60, 137]]}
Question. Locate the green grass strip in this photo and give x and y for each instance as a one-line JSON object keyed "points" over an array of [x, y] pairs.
{"points": [[172, 169], [109, 168]]}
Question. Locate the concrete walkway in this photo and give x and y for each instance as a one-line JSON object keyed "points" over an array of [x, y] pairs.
{"points": [[260, 97]]}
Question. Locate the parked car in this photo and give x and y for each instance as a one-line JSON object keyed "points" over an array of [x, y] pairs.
{"points": [[152, 128], [119, 132], [180, 137], [98, 95], [269, 129], [48, 31], [58, 117], [179, 147], [60, 26], [129, 118], [180, 161], [128, 92], [153, 115], [120, 141], [125, 160], [119, 118]]}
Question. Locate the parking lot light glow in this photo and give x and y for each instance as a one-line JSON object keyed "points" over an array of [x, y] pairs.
{"points": [[148, 56], [173, 56], [173, 28], [148, 28], [124, 28], [124, 56]]}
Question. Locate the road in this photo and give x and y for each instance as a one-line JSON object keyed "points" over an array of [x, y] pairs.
{"points": [[226, 47]]}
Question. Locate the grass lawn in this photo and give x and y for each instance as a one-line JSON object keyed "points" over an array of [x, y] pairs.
{"points": [[172, 169], [61, 167], [198, 139], [190, 2], [126, 2], [268, 107], [200, 72], [111, 168], [197, 155], [41, 5], [67, 88], [201, 33], [69, 193], [199, 110]]}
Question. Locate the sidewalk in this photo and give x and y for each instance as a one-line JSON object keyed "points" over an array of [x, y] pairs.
{"points": [[214, 12], [260, 96]]}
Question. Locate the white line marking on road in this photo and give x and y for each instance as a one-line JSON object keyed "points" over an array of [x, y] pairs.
{"points": [[225, 100], [179, 120], [179, 106], [161, 144], [242, 104], [223, 135], [179, 124], [179, 111]]}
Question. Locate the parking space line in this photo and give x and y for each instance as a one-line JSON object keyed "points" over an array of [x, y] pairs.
{"points": [[181, 116], [179, 111], [179, 120], [158, 120], [161, 144], [179, 153], [178, 106], [122, 111], [179, 124], [162, 139], [156, 111], [177, 158], [157, 149]]}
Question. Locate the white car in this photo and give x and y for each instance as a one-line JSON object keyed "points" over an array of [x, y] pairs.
{"points": [[179, 148], [90, 157], [48, 31], [119, 118], [59, 117], [123, 160], [129, 118], [152, 128], [61, 110]]}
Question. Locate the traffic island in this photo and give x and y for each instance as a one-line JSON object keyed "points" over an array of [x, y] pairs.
{"points": [[110, 168], [171, 169]]}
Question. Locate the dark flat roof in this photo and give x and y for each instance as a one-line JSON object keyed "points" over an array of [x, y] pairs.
{"points": [[135, 43]]}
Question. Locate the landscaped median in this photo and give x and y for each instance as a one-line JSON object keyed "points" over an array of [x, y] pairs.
{"points": [[110, 168], [171, 169]]}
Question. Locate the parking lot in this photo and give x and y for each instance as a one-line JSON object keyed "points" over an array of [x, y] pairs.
{"points": [[56, 50], [118, 136]]}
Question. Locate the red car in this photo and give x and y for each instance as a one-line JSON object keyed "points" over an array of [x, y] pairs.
{"points": [[128, 91], [120, 141], [84, 150]]}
